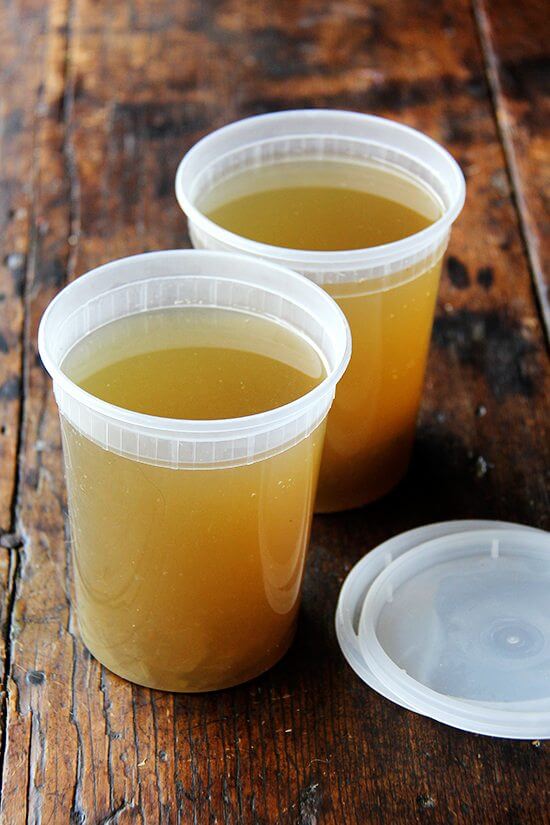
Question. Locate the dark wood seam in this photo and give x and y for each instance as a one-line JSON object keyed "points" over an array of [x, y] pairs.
{"points": [[490, 60]]}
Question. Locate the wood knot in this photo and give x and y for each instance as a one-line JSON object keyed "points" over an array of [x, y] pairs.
{"points": [[36, 677], [11, 541], [425, 801]]}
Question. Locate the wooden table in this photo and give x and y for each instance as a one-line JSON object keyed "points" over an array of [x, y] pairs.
{"points": [[99, 102]]}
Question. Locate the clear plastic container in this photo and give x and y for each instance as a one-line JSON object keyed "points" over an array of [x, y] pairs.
{"points": [[189, 536], [387, 292]]}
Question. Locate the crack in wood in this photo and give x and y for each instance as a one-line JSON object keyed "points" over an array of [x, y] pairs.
{"points": [[157, 774], [113, 817], [77, 815], [238, 767], [136, 753], [13, 575], [68, 148], [540, 288], [109, 733]]}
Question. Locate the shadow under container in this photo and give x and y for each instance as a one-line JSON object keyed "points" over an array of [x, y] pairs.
{"points": [[188, 552], [387, 292]]}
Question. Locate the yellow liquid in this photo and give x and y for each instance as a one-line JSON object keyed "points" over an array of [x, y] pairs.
{"points": [[335, 206], [327, 218], [190, 579]]}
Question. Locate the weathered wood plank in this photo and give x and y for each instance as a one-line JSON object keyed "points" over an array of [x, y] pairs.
{"points": [[127, 88], [20, 26], [515, 39], [40, 649], [21, 49]]}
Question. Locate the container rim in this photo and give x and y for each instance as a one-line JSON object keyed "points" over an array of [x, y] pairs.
{"points": [[496, 715], [355, 590], [319, 259], [201, 429]]}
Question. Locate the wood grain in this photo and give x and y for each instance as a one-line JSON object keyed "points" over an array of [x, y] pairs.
{"points": [[114, 94], [515, 37], [20, 34]]}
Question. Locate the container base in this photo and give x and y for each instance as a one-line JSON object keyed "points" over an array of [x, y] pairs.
{"points": [[177, 687]]}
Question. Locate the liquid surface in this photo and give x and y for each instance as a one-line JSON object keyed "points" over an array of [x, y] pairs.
{"points": [[327, 205], [319, 206], [190, 580], [169, 364]]}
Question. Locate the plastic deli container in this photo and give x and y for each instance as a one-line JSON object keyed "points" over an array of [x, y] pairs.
{"points": [[189, 536], [387, 292], [452, 620]]}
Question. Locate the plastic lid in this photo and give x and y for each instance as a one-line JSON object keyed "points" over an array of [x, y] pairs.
{"points": [[452, 621]]}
